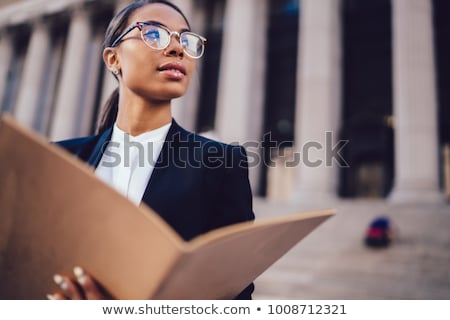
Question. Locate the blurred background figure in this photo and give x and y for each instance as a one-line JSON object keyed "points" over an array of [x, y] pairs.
{"points": [[379, 233]]}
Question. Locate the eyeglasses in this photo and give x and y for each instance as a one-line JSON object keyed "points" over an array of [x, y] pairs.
{"points": [[158, 37]]}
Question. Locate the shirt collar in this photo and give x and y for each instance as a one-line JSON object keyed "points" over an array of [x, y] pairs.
{"points": [[159, 134]]}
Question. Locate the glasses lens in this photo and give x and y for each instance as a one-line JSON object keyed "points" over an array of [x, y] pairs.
{"points": [[159, 38], [192, 44], [155, 37]]}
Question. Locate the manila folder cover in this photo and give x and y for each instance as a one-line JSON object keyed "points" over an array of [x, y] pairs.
{"points": [[55, 214]]}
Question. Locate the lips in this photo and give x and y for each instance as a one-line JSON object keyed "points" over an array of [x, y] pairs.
{"points": [[173, 67]]}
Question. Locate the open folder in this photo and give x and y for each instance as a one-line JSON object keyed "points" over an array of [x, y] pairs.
{"points": [[55, 214]]}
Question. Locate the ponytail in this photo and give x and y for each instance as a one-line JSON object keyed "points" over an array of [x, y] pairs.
{"points": [[109, 112]]}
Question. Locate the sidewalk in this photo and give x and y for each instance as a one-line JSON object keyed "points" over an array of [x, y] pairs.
{"points": [[333, 263]]}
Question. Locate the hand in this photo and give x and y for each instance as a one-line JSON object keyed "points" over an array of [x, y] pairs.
{"points": [[84, 287]]}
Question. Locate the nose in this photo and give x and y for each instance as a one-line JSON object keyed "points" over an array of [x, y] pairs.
{"points": [[174, 49]]}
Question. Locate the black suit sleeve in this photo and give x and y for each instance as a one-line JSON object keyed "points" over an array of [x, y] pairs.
{"points": [[236, 197]]}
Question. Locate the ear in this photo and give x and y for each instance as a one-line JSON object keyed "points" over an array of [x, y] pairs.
{"points": [[111, 59]]}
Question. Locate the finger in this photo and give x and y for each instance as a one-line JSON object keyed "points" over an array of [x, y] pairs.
{"points": [[68, 287], [56, 296], [87, 283]]}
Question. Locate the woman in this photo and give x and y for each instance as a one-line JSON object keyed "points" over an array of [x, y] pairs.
{"points": [[194, 183]]}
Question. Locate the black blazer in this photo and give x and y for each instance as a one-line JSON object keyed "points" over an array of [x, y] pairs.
{"points": [[197, 184]]}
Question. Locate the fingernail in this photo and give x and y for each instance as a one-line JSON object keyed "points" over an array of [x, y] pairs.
{"points": [[51, 297], [81, 276], [59, 280]]}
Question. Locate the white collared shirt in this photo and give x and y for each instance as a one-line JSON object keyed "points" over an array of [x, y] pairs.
{"points": [[128, 161]]}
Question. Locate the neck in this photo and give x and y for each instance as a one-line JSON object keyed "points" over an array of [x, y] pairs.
{"points": [[139, 116]]}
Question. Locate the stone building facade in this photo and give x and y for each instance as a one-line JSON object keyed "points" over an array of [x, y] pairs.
{"points": [[332, 98]]}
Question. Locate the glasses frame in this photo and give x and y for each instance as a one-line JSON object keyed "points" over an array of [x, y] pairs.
{"points": [[140, 26]]}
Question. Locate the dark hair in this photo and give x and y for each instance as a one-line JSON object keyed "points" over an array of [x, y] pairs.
{"points": [[117, 25]]}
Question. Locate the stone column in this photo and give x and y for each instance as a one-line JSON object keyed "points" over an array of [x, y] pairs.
{"points": [[33, 74], [318, 100], [67, 110], [415, 103], [110, 83], [46, 103], [90, 85], [241, 82], [6, 50]]}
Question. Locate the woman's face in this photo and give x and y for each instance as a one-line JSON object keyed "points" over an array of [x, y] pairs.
{"points": [[155, 75]]}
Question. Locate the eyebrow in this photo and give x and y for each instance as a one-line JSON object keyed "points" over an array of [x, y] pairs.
{"points": [[162, 24]]}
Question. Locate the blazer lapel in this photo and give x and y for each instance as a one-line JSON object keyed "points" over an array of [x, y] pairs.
{"points": [[99, 148], [162, 171]]}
